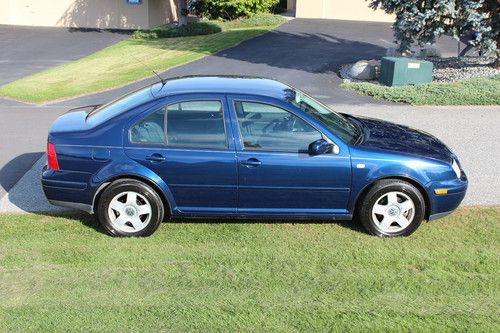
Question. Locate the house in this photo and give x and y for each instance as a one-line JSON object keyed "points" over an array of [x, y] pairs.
{"points": [[356, 10], [103, 14], [134, 14]]}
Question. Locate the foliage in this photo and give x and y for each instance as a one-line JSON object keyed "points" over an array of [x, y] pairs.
{"points": [[479, 91], [231, 9], [257, 20], [423, 21], [192, 29]]}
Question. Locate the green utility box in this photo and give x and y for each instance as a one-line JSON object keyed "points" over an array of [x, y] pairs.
{"points": [[401, 71]]}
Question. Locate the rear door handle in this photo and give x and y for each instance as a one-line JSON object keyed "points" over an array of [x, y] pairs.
{"points": [[155, 158], [251, 163]]}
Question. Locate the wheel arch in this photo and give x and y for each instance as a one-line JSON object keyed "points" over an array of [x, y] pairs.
{"points": [[152, 184], [410, 180]]}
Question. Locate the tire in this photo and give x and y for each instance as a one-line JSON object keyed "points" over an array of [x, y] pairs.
{"points": [[130, 208], [391, 208]]}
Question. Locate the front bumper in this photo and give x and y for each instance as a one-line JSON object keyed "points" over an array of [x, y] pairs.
{"points": [[444, 204]]}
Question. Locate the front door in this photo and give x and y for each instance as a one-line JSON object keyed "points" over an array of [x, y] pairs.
{"points": [[276, 175], [185, 143]]}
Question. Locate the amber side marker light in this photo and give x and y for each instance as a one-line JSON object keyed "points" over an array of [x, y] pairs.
{"points": [[441, 191]]}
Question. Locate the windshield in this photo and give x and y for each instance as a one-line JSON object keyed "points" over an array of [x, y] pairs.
{"points": [[335, 122], [118, 106]]}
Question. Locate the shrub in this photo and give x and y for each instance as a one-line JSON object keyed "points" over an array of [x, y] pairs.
{"points": [[231, 9], [192, 29], [257, 20]]}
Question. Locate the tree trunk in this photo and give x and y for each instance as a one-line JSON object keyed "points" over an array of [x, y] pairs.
{"points": [[182, 12]]}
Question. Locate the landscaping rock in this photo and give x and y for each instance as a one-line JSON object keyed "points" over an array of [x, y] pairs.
{"points": [[454, 69], [363, 70]]}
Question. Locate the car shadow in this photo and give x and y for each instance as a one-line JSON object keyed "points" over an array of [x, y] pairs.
{"points": [[15, 169], [91, 221], [27, 196]]}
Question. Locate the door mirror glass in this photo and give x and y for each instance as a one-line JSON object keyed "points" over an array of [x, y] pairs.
{"points": [[320, 146]]}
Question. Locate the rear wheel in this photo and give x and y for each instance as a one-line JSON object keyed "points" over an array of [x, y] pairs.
{"points": [[129, 207], [392, 207]]}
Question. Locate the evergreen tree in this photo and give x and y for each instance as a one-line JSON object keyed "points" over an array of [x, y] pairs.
{"points": [[422, 21]]}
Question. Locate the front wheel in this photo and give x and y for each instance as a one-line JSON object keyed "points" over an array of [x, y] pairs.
{"points": [[392, 207], [130, 208]]}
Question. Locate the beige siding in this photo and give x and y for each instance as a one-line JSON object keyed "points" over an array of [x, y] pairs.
{"points": [[111, 14], [161, 12], [356, 10]]}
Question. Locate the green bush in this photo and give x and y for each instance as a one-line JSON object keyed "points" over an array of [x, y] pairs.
{"points": [[257, 20], [192, 29], [231, 9]]}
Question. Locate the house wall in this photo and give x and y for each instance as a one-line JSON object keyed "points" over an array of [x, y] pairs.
{"points": [[104, 14], [356, 10]]}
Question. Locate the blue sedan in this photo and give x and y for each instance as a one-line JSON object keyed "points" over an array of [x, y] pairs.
{"points": [[244, 148]]}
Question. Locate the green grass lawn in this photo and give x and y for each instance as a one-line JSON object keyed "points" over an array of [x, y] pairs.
{"points": [[125, 62], [62, 275], [478, 91]]}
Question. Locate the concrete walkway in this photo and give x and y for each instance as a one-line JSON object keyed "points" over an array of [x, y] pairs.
{"points": [[471, 132]]}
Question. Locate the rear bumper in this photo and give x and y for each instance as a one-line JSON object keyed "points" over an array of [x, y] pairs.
{"points": [[65, 193], [445, 204]]}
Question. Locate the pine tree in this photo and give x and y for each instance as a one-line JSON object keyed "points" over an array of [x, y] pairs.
{"points": [[422, 21]]}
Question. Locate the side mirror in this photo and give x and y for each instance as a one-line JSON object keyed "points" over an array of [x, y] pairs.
{"points": [[320, 146]]}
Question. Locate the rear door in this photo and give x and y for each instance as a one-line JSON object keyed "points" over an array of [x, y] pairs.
{"points": [[276, 175], [189, 143]]}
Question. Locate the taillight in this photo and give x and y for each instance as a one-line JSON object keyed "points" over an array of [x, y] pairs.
{"points": [[52, 157]]}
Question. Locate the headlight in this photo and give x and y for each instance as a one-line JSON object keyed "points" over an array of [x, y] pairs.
{"points": [[456, 168]]}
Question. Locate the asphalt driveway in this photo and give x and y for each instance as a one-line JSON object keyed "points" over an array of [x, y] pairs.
{"points": [[27, 50], [305, 53]]}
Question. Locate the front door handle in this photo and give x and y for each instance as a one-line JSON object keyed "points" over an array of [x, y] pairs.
{"points": [[251, 163], [155, 158]]}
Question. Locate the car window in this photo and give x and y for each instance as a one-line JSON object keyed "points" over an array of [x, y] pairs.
{"points": [[266, 127], [150, 130], [196, 124], [186, 124], [119, 106]]}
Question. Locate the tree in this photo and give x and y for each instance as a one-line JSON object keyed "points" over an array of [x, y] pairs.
{"points": [[182, 12], [422, 21]]}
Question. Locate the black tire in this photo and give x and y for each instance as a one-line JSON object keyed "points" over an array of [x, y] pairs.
{"points": [[144, 190], [376, 192]]}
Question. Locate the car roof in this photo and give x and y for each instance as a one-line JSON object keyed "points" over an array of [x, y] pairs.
{"points": [[235, 85]]}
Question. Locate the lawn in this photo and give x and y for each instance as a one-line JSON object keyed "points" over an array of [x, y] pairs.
{"points": [[478, 91], [129, 60], [60, 274]]}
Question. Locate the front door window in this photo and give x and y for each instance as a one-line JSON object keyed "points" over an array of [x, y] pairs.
{"points": [[270, 128]]}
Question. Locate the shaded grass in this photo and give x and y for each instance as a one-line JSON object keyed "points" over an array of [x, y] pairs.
{"points": [[60, 274], [125, 62], [478, 91]]}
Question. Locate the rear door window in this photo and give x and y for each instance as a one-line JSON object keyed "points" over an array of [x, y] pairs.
{"points": [[196, 124]]}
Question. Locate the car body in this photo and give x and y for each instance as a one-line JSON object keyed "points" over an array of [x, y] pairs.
{"points": [[244, 147]]}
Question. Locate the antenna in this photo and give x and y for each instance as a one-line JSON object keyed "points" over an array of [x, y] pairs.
{"points": [[162, 80]]}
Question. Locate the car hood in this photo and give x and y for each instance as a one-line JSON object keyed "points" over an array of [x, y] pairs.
{"points": [[398, 138]]}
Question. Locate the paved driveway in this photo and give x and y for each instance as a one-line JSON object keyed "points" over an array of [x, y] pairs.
{"points": [[305, 53], [27, 50]]}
